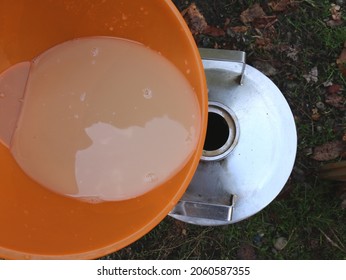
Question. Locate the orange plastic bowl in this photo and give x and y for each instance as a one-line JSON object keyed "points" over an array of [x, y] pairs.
{"points": [[39, 224]]}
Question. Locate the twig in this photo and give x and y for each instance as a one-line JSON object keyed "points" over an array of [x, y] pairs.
{"points": [[332, 242]]}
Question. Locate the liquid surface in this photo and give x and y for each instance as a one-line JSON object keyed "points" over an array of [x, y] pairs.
{"points": [[105, 119]]}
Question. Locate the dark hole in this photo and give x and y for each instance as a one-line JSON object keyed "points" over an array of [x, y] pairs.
{"points": [[217, 132]]}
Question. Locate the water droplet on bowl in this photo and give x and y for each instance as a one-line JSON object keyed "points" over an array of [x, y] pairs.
{"points": [[147, 93], [150, 178], [95, 52], [83, 96]]}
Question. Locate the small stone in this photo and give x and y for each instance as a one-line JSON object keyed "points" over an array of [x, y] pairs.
{"points": [[257, 239], [280, 243], [321, 106]]}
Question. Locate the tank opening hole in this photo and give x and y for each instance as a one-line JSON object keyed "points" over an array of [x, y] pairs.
{"points": [[217, 132]]}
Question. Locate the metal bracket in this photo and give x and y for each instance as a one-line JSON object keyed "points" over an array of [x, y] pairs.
{"points": [[209, 211], [225, 55]]}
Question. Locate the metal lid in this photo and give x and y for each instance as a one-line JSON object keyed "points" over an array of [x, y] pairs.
{"points": [[249, 149]]}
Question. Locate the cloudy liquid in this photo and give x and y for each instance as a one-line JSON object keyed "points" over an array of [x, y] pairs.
{"points": [[105, 119]]}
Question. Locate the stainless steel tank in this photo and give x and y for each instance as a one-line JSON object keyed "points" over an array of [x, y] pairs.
{"points": [[250, 147]]}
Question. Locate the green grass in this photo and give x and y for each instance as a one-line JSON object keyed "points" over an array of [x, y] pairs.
{"points": [[308, 212]]}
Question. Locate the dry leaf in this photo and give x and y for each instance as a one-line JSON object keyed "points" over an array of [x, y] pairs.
{"points": [[335, 171], [315, 114], [312, 76], [239, 29], [197, 23], [334, 88], [328, 151], [292, 53], [194, 19], [265, 21], [334, 23], [336, 12], [263, 43], [246, 252], [336, 100], [341, 61], [253, 12], [214, 31], [279, 6], [336, 15], [343, 204]]}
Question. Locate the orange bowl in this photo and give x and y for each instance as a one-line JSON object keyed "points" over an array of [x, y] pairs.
{"points": [[39, 224]]}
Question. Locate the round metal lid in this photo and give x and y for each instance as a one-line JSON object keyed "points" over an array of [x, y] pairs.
{"points": [[250, 146]]}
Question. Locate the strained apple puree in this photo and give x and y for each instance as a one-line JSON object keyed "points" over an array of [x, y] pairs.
{"points": [[104, 119]]}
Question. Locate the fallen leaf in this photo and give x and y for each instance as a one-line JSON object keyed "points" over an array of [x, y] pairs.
{"points": [[315, 114], [239, 29], [246, 252], [334, 23], [194, 19], [264, 43], [250, 14], [214, 31], [336, 16], [293, 53], [312, 76], [336, 100], [334, 88], [336, 12], [265, 21], [227, 22], [327, 83], [334, 171], [343, 204], [279, 6], [334, 97], [328, 151], [197, 23], [341, 61]]}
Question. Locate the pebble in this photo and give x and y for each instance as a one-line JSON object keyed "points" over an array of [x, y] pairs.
{"points": [[258, 238], [321, 106], [280, 243]]}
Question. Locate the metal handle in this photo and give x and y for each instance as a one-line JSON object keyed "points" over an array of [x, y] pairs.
{"points": [[194, 209], [225, 55]]}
